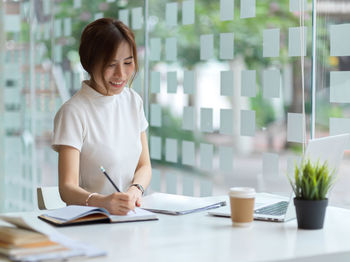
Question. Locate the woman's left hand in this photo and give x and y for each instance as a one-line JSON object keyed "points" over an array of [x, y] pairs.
{"points": [[135, 195]]}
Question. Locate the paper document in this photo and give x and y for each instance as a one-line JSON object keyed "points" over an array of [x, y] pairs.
{"points": [[179, 205]]}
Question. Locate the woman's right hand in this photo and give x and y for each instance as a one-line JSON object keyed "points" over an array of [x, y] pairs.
{"points": [[118, 203]]}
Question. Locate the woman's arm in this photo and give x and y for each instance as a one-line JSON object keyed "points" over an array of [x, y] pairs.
{"points": [[143, 171], [73, 194]]}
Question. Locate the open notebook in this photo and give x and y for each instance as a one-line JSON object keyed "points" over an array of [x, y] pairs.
{"points": [[73, 214]]}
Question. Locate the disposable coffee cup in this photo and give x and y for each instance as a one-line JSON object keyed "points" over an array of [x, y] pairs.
{"points": [[242, 206]]}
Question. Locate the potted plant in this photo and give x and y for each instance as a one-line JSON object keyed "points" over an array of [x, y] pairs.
{"points": [[311, 184]]}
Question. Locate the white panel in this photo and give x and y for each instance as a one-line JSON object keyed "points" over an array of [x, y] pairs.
{"points": [[207, 47], [171, 14], [137, 84], [67, 26], [155, 181], [294, 41], [271, 42], [248, 83], [188, 119], [226, 83], [187, 186], [136, 18], [171, 150], [271, 83], [46, 7], [155, 82], [12, 120], [188, 12], [340, 40], [206, 188], [58, 53], [297, 5], [170, 49], [171, 183], [156, 115], [206, 124], [226, 121], [226, 158], [12, 23], [248, 8], [206, 152], [47, 31], [124, 16], [226, 10], [247, 123], [226, 46], [68, 79], [172, 82], [12, 95], [339, 126], [155, 47], [98, 15], [340, 87], [270, 164], [295, 128], [189, 82], [58, 27], [156, 147], [188, 153], [76, 3]]}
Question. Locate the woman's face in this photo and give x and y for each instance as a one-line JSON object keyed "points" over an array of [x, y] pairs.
{"points": [[117, 73]]}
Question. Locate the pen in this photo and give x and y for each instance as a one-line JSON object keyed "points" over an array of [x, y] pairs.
{"points": [[110, 180]]}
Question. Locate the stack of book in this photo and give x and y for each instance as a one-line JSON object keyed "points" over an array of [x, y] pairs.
{"points": [[24, 238], [18, 243]]}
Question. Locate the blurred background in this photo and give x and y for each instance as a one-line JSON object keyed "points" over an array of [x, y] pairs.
{"points": [[221, 83]]}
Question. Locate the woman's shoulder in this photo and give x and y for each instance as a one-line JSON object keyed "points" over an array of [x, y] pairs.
{"points": [[74, 104], [133, 95]]}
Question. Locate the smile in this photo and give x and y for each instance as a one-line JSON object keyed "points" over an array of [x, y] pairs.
{"points": [[117, 83]]}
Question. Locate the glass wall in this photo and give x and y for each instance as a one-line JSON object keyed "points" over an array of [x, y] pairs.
{"points": [[221, 82], [225, 93], [332, 82]]}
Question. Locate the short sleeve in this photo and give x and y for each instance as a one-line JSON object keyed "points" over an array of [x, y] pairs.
{"points": [[68, 128]]}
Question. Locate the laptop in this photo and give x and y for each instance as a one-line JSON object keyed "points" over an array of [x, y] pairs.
{"points": [[275, 208]]}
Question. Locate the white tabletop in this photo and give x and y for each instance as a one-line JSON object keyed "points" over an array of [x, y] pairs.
{"points": [[199, 237]]}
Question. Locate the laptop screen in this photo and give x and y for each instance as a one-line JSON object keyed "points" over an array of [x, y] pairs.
{"points": [[330, 149]]}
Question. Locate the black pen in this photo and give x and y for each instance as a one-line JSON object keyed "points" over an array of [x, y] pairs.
{"points": [[110, 180]]}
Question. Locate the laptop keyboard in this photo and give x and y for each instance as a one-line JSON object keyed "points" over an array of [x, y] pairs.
{"points": [[277, 209]]}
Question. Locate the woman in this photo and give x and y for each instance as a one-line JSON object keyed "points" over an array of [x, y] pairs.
{"points": [[104, 124]]}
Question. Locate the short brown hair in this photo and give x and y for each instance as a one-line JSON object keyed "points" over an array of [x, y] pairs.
{"points": [[100, 41]]}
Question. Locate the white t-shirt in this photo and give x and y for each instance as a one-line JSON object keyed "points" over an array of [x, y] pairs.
{"points": [[107, 132]]}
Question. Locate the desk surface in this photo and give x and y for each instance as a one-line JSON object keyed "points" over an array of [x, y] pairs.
{"points": [[199, 237]]}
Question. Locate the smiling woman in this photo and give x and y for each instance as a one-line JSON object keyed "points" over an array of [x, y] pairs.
{"points": [[108, 53], [104, 124]]}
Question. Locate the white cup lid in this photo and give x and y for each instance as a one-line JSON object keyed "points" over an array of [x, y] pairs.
{"points": [[242, 192]]}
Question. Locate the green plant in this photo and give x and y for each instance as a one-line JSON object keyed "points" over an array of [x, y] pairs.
{"points": [[312, 181]]}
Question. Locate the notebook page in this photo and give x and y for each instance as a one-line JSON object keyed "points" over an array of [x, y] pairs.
{"points": [[137, 214], [73, 212]]}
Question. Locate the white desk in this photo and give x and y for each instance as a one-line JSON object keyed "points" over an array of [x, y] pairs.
{"points": [[199, 237]]}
